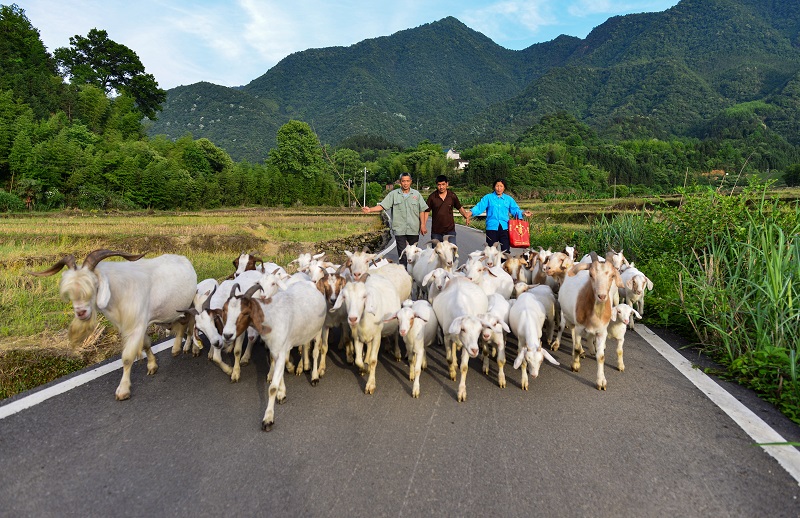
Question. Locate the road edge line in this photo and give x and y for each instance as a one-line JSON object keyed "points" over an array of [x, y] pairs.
{"points": [[69, 384], [787, 456]]}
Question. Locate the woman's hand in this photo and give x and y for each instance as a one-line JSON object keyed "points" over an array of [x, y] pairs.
{"points": [[527, 213]]}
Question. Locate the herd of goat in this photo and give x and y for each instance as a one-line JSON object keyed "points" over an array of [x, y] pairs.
{"points": [[472, 308]]}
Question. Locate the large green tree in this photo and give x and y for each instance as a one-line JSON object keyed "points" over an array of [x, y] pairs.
{"points": [[26, 68], [100, 61]]}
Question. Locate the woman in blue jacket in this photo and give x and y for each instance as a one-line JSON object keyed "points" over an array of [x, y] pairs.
{"points": [[498, 206]]}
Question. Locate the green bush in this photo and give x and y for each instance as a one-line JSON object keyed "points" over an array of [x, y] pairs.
{"points": [[10, 202]]}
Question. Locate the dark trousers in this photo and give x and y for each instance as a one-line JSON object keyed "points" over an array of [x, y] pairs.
{"points": [[402, 241], [440, 237], [499, 235]]}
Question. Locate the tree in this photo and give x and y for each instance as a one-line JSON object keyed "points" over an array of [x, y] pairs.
{"points": [[792, 175], [99, 61], [26, 67]]}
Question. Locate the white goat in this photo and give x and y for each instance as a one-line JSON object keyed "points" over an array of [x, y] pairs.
{"points": [[288, 319], [636, 283], [586, 308], [441, 254], [492, 255], [132, 295], [400, 278], [436, 281], [456, 309], [418, 326], [490, 279], [551, 309], [621, 316], [367, 303], [493, 342], [526, 319]]}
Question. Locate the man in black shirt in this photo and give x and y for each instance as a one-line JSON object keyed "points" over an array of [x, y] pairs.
{"points": [[441, 204]]}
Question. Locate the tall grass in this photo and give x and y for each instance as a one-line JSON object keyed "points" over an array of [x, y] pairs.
{"points": [[741, 293]]}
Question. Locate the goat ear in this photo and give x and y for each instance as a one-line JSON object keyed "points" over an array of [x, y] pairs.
{"points": [[649, 285], [103, 290], [549, 357], [338, 303], [520, 357], [505, 326], [388, 317], [577, 268], [614, 312], [455, 326], [636, 313]]}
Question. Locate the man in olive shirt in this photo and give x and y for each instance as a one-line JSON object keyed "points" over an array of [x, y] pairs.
{"points": [[441, 203], [409, 218]]}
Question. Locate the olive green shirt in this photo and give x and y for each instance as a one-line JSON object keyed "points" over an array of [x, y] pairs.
{"points": [[404, 211]]}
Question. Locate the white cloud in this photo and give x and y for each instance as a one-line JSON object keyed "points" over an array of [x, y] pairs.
{"points": [[511, 19], [583, 8]]}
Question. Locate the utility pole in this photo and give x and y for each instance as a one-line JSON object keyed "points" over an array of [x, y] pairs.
{"points": [[365, 187]]}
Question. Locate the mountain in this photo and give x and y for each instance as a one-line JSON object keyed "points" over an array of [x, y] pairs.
{"points": [[673, 73], [659, 74]]}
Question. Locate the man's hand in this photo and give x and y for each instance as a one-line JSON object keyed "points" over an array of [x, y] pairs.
{"points": [[468, 220], [366, 209], [527, 213]]}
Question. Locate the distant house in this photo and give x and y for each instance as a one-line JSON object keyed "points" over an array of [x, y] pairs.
{"points": [[456, 157]]}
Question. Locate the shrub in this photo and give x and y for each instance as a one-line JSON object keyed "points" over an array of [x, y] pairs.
{"points": [[10, 202]]}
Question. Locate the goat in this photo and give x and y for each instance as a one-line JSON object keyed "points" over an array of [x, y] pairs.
{"points": [[289, 318], [493, 343], [526, 319], [132, 295], [367, 303], [441, 254], [585, 300], [456, 309], [621, 317], [418, 326], [636, 283]]}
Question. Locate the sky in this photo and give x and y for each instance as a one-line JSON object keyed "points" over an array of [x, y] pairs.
{"points": [[230, 43]]}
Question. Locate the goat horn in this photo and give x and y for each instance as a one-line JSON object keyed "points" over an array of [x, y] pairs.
{"points": [[233, 290], [250, 292], [98, 255], [207, 302], [365, 250], [68, 261]]}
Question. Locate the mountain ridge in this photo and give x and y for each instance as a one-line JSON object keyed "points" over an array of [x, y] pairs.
{"points": [[648, 74]]}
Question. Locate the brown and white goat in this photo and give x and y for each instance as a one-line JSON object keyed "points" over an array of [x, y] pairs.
{"points": [[586, 303]]}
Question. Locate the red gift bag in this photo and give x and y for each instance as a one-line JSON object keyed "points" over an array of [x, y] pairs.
{"points": [[518, 233]]}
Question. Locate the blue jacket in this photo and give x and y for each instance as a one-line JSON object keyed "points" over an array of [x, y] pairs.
{"points": [[497, 209]]}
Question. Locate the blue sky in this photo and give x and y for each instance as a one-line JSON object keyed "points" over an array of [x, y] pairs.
{"points": [[231, 43]]}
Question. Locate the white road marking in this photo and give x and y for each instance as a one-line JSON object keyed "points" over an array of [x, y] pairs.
{"points": [[69, 384], [787, 456]]}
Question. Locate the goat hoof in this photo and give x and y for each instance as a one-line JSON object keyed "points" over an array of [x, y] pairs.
{"points": [[265, 426], [282, 400], [314, 382]]}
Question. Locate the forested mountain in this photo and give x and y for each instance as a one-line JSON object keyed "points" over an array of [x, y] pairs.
{"points": [[665, 74], [416, 84], [669, 73]]}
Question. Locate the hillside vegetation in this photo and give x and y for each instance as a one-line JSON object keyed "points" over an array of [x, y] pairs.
{"points": [[670, 74]]}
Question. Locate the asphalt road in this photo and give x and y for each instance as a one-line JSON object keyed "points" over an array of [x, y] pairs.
{"points": [[189, 443]]}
